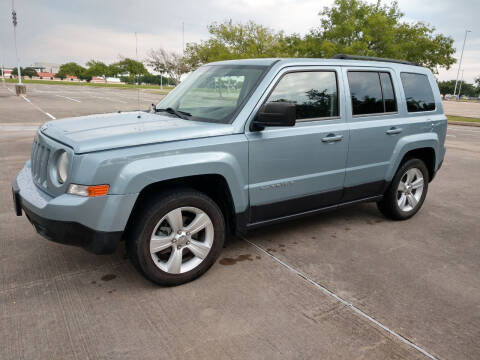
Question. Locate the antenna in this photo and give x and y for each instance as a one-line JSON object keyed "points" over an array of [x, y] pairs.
{"points": [[138, 89]]}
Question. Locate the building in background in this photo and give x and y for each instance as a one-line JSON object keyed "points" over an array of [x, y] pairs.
{"points": [[45, 67]]}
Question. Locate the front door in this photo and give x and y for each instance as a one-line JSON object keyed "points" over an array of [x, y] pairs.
{"points": [[301, 168]]}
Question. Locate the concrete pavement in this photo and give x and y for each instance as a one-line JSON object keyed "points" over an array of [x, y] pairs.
{"points": [[419, 278]]}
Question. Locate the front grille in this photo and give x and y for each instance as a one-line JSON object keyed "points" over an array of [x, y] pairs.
{"points": [[40, 157]]}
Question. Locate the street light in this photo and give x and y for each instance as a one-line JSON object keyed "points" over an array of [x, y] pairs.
{"points": [[19, 88], [461, 82], [460, 63]]}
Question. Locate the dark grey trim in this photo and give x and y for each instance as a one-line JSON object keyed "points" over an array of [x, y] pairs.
{"points": [[272, 213], [311, 212]]}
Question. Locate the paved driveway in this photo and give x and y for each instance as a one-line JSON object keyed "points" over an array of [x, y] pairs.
{"points": [[266, 298]]}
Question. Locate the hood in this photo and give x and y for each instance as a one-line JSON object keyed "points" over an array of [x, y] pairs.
{"points": [[116, 130]]}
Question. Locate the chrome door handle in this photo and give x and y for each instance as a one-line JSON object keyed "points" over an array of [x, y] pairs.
{"points": [[332, 138], [394, 131]]}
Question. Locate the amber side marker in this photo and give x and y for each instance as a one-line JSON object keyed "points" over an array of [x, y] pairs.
{"points": [[98, 190]]}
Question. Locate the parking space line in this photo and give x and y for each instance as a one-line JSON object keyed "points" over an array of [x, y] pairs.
{"points": [[341, 300], [69, 98], [38, 107]]}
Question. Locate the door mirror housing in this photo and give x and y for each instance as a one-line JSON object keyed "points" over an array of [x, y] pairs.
{"points": [[275, 114]]}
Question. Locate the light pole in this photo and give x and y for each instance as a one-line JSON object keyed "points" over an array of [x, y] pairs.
{"points": [[19, 88], [460, 63], [461, 82]]}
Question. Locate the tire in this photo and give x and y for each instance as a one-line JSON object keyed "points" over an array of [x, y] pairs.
{"points": [[165, 234], [401, 202]]}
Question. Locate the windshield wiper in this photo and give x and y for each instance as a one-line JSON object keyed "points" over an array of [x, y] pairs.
{"points": [[178, 113]]}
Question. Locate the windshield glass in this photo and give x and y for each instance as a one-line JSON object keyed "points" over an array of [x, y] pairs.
{"points": [[213, 93]]}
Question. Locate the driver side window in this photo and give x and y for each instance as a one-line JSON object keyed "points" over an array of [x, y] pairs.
{"points": [[314, 93]]}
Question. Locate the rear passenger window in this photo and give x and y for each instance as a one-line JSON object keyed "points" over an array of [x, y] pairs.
{"points": [[418, 92], [372, 92], [314, 93]]}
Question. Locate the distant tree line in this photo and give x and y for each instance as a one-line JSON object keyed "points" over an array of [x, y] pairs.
{"points": [[129, 71], [448, 87], [348, 27]]}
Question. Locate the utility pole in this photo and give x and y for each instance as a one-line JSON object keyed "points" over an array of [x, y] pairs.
{"points": [[183, 38], [460, 63], [19, 88], [461, 82]]}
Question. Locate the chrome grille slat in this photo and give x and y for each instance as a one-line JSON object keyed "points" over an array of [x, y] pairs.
{"points": [[43, 167], [39, 163]]}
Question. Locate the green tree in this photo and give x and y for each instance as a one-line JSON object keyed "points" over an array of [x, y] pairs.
{"points": [[360, 28], [72, 69], [96, 68], [30, 72], [235, 41], [132, 67], [446, 87]]}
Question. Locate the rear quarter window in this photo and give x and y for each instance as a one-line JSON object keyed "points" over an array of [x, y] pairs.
{"points": [[418, 92]]}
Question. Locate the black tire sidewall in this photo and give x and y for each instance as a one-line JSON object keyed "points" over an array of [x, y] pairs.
{"points": [[392, 193], [153, 215]]}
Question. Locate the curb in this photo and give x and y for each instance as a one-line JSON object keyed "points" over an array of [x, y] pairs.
{"points": [[464, 123]]}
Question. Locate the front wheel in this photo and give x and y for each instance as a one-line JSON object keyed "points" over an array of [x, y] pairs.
{"points": [[407, 191], [177, 237]]}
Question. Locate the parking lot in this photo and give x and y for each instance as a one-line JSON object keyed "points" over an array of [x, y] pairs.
{"points": [[342, 285]]}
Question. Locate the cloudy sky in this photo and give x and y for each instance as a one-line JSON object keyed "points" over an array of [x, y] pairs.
{"points": [[78, 30]]}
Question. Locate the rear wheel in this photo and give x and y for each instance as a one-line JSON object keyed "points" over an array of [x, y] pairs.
{"points": [[407, 192], [177, 237]]}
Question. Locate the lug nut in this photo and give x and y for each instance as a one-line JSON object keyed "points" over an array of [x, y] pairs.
{"points": [[174, 241], [179, 247], [188, 242], [179, 232]]}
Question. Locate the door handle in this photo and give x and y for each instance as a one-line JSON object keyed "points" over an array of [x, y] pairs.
{"points": [[394, 130], [332, 138]]}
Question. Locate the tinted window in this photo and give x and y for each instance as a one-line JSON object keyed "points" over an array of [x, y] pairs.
{"points": [[388, 93], [366, 92], [418, 92], [314, 93]]}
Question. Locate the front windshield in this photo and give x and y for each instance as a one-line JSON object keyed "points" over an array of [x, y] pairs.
{"points": [[213, 93]]}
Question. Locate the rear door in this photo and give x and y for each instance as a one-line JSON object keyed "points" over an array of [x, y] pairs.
{"points": [[300, 168], [376, 123]]}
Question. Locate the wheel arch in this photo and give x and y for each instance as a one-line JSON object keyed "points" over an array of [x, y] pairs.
{"points": [[425, 148], [214, 186]]}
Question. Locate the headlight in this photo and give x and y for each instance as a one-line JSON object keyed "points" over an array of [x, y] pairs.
{"points": [[62, 167]]}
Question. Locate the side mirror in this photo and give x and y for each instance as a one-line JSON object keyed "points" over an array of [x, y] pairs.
{"points": [[275, 114]]}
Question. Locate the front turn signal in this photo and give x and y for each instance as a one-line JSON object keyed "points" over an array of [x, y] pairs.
{"points": [[90, 191]]}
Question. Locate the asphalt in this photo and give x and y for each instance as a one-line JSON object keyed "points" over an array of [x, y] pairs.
{"points": [[343, 285]]}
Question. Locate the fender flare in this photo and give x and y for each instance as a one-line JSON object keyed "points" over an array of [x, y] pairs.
{"points": [[409, 143]]}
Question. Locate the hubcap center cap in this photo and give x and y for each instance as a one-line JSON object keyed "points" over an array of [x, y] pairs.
{"points": [[182, 238]]}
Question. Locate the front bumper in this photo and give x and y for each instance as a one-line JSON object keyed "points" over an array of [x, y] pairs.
{"points": [[95, 224]]}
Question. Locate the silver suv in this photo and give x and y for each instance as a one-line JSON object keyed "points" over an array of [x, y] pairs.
{"points": [[237, 145]]}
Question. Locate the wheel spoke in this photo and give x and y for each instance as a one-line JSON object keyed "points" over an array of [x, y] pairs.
{"points": [[417, 183], [159, 243], [199, 249], [401, 187], [410, 176], [412, 200], [402, 201], [201, 221], [175, 219], [174, 263]]}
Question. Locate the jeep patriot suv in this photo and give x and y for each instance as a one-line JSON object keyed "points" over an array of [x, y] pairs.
{"points": [[237, 145]]}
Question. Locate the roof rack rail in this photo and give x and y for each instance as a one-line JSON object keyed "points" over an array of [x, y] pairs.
{"points": [[373, 58]]}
